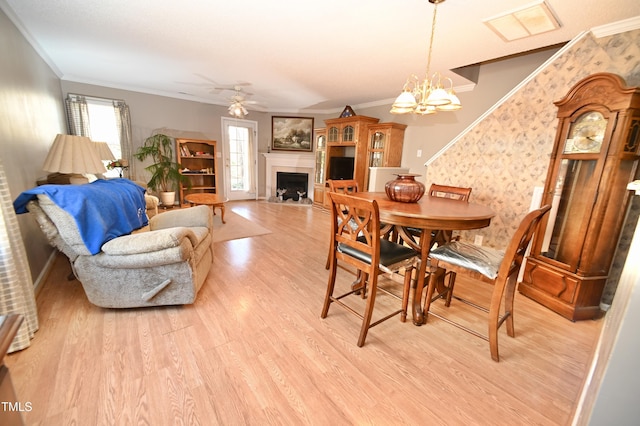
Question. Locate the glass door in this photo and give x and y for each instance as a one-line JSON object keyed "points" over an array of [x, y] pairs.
{"points": [[240, 158], [376, 149], [574, 195], [321, 158]]}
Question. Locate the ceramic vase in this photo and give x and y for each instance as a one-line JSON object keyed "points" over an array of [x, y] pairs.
{"points": [[405, 188]]}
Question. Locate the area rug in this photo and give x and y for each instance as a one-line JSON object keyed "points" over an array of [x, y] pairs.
{"points": [[236, 227]]}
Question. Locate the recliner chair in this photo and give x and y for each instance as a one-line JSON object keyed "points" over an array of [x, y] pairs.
{"points": [[165, 263]]}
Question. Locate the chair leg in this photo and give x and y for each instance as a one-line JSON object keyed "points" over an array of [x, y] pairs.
{"points": [[509, 295], [330, 286], [494, 319], [368, 312], [408, 280], [450, 285], [326, 266]]}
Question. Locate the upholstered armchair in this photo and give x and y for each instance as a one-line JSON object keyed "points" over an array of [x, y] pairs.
{"points": [[164, 263]]}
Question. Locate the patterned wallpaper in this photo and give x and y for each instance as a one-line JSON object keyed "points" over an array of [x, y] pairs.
{"points": [[507, 154]]}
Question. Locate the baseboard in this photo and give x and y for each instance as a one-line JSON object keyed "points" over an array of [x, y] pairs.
{"points": [[38, 283]]}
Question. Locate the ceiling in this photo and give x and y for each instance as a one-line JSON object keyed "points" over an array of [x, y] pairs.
{"points": [[303, 56]]}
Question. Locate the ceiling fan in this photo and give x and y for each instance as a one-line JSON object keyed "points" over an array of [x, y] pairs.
{"points": [[238, 101]]}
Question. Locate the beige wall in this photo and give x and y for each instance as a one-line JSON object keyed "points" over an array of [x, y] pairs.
{"points": [[30, 117], [431, 133], [150, 112]]}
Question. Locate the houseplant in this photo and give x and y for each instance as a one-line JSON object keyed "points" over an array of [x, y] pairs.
{"points": [[165, 172]]}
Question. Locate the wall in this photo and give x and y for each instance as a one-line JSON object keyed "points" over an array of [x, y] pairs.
{"points": [[432, 132], [30, 117], [507, 154], [150, 112]]}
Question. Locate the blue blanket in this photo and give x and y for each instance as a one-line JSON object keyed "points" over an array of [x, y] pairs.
{"points": [[103, 210]]}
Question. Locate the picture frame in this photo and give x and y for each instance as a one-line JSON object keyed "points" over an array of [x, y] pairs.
{"points": [[292, 134]]}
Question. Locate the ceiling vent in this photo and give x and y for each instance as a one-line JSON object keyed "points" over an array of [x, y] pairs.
{"points": [[527, 21]]}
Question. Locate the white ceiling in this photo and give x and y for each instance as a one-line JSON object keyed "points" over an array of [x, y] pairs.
{"points": [[297, 56]]}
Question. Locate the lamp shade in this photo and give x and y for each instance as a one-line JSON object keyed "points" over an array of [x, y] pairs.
{"points": [[104, 151], [73, 154]]}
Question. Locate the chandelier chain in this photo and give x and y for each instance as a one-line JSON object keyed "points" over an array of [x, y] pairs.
{"points": [[433, 32]]}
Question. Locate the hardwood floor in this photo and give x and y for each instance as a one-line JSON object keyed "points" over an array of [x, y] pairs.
{"points": [[253, 350]]}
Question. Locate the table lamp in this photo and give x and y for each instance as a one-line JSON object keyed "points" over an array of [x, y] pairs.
{"points": [[104, 151], [75, 155]]}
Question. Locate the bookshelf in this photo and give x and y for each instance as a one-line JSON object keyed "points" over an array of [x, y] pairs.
{"points": [[197, 160]]}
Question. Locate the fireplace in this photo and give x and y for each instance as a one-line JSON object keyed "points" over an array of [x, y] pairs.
{"points": [[293, 163], [294, 184]]}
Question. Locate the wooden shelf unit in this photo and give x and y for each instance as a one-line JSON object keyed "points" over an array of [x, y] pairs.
{"points": [[199, 157]]}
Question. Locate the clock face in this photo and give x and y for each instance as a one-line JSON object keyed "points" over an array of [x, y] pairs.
{"points": [[586, 134]]}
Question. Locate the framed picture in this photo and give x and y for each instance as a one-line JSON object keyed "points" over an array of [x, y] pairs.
{"points": [[292, 134]]}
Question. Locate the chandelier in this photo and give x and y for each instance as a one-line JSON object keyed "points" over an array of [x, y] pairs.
{"points": [[428, 96]]}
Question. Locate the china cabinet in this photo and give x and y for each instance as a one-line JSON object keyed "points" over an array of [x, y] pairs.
{"points": [[595, 156], [385, 146], [320, 166], [346, 138], [197, 160]]}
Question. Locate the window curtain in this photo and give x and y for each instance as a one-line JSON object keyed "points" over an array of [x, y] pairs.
{"points": [[78, 115], [123, 120], [17, 295], [252, 161]]}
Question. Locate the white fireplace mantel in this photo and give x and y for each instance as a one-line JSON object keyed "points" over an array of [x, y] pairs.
{"points": [[288, 162]]}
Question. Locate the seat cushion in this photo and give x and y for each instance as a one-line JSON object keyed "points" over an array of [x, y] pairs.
{"points": [[484, 260], [390, 252]]}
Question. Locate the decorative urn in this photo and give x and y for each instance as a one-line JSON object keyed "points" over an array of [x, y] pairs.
{"points": [[405, 188]]}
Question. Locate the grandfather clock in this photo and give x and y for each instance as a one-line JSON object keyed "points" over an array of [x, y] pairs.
{"points": [[595, 156]]}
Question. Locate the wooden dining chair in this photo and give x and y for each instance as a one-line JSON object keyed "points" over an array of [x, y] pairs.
{"points": [[487, 265], [453, 192], [442, 191], [343, 186], [357, 246]]}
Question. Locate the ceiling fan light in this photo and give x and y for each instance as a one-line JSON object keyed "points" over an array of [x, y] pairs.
{"points": [[237, 110]]}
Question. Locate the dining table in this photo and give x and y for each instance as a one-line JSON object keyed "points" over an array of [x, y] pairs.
{"points": [[429, 214]]}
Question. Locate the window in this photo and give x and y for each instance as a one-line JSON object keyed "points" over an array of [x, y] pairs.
{"points": [[102, 120]]}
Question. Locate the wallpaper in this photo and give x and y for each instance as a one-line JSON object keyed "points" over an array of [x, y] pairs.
{"points": [[507, 154]]}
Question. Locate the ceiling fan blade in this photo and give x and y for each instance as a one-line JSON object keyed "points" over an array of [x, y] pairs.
{"points": [[204, 77]]}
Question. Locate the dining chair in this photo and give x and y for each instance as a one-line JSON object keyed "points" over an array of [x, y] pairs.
{"points": [[487, 265], [357, 246], [344, 186], [442, 191]]}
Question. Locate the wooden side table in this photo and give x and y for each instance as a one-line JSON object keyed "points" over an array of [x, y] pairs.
{"points": [[208, 199], [10, 409]]}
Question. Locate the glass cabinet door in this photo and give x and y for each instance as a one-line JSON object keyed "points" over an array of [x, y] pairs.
{"points": [[321, 158], [334, 134], [347, 134], [376, 149]]}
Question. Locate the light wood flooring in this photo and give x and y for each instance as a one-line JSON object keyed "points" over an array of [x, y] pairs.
{"points": [[253, 350]]}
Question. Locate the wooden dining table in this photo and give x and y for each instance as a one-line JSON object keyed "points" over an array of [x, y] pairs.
{"points": [[428, 214]]}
